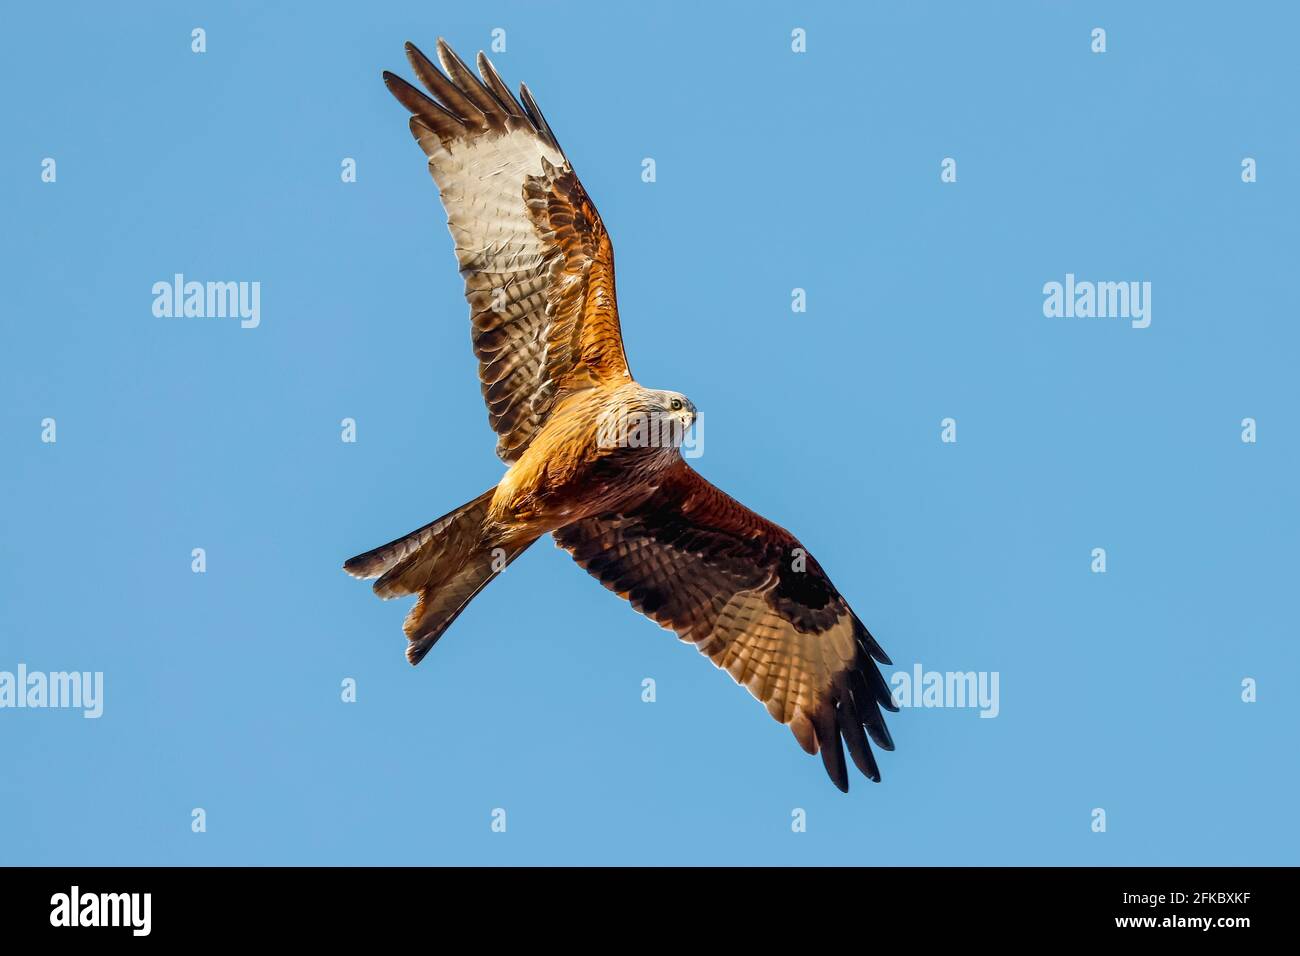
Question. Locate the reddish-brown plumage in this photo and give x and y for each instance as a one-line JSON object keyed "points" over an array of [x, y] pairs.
{"points": [[539, 277]]}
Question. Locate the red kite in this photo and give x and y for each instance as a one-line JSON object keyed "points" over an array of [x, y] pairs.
{"points": [[571, 423]]}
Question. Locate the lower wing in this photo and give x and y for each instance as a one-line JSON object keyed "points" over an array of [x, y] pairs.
{"points": [[748, 595]]}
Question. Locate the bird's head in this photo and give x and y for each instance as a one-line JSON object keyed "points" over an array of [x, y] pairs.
{"points": [[648, 418], [673, 407]]}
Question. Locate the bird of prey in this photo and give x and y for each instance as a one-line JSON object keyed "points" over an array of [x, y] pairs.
{"points": [[595, 457]]}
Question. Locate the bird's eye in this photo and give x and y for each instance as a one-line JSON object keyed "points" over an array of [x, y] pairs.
{"points": [[677, 404]]}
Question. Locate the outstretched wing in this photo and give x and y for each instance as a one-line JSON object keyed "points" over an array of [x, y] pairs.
{"points": [[537, 262], [745, 592]]}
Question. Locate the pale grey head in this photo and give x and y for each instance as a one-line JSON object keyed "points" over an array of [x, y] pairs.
{"points": [[648, 419]]}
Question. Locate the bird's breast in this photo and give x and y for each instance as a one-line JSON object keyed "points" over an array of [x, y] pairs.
{"points": [[568, 473]]}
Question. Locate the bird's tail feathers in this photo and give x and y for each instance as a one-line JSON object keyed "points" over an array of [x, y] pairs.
{"points": [[447, 562], [379, 560]]}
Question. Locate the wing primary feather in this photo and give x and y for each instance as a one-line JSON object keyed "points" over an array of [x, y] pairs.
{"points": [[535, 114], [869, 643], [880, 690], [434, 116], [867, 708], [469, 84], [851, 727], [832, 747], [497, 87], [444, 89]]}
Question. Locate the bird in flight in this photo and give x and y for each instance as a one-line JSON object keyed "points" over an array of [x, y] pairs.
{"points": [[595, 457]]}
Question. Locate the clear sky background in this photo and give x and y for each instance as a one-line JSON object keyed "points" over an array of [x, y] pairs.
{"points": [[775, 170]]}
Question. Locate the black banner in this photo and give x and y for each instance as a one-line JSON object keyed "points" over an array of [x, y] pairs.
{"points": [[333, 905]]}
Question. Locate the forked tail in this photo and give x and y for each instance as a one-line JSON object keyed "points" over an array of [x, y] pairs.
{"points": [[447, 562]]}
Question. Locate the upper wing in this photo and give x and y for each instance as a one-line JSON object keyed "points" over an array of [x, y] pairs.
{"points": [[746, 593], [537, 262]]}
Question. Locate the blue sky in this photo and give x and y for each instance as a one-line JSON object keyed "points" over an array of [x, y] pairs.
{"points": [[775, 171]]}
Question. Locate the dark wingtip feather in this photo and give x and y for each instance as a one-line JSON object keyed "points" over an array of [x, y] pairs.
{"points": [[869, 643], [450, 97], [867, 706], [406, 94], [879, 688], [535, 115], [498, 87], [879, 732], [851, 723], [494, 113], [446, 54], [832, 747]]}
